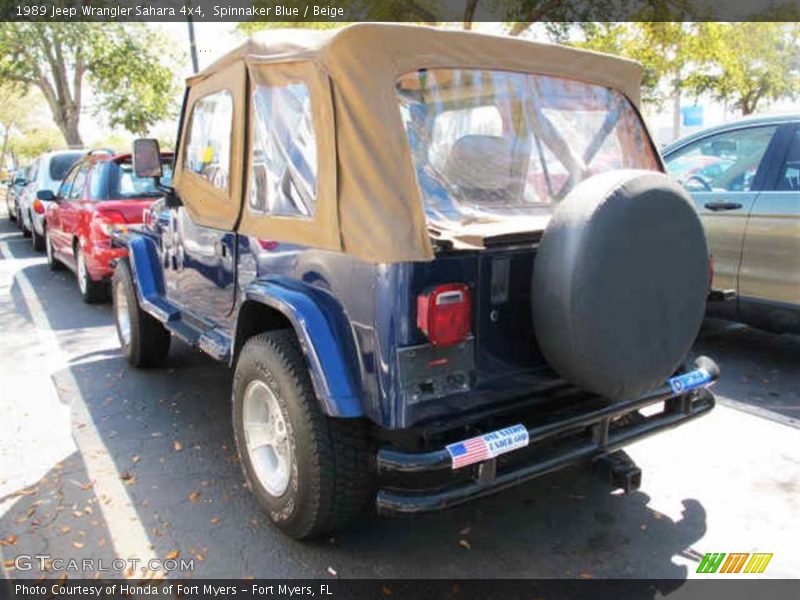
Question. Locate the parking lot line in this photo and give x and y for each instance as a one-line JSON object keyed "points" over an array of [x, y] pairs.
{"points": [[128, 536]]}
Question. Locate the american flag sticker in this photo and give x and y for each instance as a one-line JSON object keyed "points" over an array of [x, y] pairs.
{"points": [[488, 445]]}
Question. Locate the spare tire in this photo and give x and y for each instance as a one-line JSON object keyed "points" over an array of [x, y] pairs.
{"points": [[620, 282]]}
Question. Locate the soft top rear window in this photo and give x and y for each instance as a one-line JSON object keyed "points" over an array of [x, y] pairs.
{"points": [[491, 144], [61, 163]]}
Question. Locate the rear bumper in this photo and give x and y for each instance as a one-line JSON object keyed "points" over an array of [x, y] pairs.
{"points": [[583, 435], [101, 258]]}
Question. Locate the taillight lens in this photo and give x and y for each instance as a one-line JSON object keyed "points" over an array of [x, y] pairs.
{"points": [[444, 314], [38, 206], [108, 221]]}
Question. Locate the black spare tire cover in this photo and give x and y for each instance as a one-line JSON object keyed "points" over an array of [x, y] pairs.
{"points": [[620, 282]]}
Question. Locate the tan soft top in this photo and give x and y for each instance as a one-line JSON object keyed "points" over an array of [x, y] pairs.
{"points": [[368, 200]]}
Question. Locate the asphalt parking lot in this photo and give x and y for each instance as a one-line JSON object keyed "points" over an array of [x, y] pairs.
{"points": [[100, 461]]}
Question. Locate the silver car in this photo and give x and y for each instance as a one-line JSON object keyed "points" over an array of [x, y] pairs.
{"points": [[46, 173], [745, 181]]}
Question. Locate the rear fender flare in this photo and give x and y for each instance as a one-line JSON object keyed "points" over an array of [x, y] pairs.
{"points": [[323, 332]]}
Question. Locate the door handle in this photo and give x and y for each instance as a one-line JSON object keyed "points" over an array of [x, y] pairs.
{"points": [[220, 249], [717, 206]]}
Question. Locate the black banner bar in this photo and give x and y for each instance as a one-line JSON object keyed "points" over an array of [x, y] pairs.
{"points": [[439, 589], [420, 11]]}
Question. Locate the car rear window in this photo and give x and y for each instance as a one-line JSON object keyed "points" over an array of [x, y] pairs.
{"points": [[123, 182], [61, 163]]}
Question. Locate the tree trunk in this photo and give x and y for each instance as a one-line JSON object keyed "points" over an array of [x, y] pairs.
{"points": [[469, 13], [71, 133]]}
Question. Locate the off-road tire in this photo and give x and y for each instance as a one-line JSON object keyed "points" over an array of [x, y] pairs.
{"points": [[92, 292], [149, 341], [333, 473], [37, 240]]}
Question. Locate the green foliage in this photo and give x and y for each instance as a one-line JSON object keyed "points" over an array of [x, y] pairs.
{"points": [[33, 142], [126, 64], [744, 63]]}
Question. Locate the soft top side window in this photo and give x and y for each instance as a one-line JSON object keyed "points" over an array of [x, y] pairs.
{"points": [[208, 142], [283, 165]]}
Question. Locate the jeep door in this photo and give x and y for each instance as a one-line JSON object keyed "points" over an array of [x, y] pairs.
{"points": [[200, 270]]}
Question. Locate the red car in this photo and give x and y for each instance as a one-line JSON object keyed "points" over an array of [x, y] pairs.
{"points": [[99, 194]]}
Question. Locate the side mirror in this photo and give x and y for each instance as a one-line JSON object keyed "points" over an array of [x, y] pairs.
{"points": [[147, 158], [46, 195]]}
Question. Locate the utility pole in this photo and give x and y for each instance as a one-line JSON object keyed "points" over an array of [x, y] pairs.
{"points": [[192, 43]]}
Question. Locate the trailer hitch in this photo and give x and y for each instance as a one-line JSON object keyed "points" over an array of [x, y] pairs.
{"points": [[620, 471]]}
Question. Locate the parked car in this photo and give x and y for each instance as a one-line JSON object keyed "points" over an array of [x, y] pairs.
{"points": [[99, 193], [46, 173], [391, 339], [18, 180], [744, 178]]}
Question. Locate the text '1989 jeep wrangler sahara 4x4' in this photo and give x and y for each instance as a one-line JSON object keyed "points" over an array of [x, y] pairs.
{"points": [[441, 264]]}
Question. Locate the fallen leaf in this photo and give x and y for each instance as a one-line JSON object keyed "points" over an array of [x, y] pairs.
{"points": [[135, 458], [215, 520], [9, 564], [387, 591], [643, 526], [585, 576], [657, 516], [178, 446], [88, 486], [194, 497], [125, 476], [172, 555], [156, 434], [66, 529], [465, 544], [77, 544], [465, 531], [332, 571], [12, 539]]}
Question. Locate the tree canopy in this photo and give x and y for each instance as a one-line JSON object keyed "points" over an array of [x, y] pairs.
{"points": [[126, 64]]}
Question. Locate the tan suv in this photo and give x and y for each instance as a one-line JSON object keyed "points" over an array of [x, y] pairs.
{"points": [[744, 178]]}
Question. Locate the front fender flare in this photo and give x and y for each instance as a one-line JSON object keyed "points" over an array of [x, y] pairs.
{"points": [[323, 332]]}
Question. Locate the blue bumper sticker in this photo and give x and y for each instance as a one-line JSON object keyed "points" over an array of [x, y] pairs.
{"points": [[488, 445], [689, 381]]}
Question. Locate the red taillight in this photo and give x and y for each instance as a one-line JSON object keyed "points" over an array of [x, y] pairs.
{"points": [[38, 206], [109, 220], [444, 314], [268, 245]]}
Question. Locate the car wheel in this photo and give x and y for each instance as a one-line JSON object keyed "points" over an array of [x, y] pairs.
{"points": [[52, 262], [309, 472], [144, 340], [38, 240], [91, 291], [25, 231]]}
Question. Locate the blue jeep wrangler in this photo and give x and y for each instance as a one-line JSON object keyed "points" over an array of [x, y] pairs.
{"points": [[440, 263]]}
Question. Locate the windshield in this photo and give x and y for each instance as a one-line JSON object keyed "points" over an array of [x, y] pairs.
{"points": [[123, 182], [491, 144], [61, 163]]}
